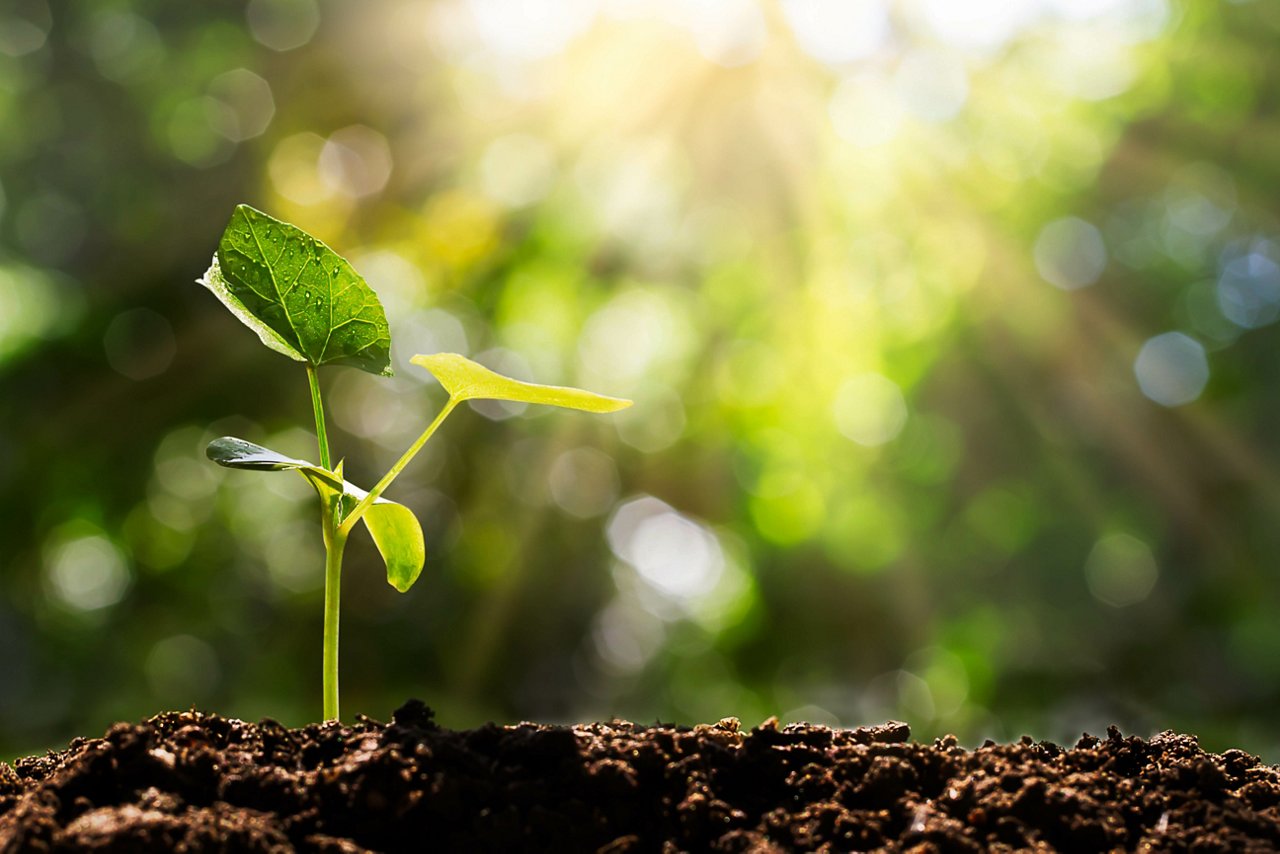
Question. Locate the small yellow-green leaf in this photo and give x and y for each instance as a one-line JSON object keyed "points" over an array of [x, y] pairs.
{"points": [[398, 536], [395, 530], [467, 380]]}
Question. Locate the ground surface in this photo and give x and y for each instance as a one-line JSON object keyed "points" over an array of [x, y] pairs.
{"points": [[188, 781]]}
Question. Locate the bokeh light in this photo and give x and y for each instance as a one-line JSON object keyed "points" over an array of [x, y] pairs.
{"points": [[283, 24], [1172, 369], [1070, 253], [86, 572], [870, 410], [1249, 284], [1120, 570]]}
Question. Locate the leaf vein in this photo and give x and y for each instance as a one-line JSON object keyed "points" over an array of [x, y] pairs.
{"points": [[297, 276], [274, 283]]}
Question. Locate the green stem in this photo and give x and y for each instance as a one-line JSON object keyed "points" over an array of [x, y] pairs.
{"points": [[334, 544], [322, 438], [374, 494]]}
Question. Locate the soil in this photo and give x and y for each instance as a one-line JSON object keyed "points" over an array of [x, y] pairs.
{"points": [[198, 782]]}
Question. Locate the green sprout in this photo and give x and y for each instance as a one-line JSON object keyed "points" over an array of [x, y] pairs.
{"points": [[306, 302]]}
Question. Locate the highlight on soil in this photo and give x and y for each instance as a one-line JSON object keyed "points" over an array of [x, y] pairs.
{"points": [[305, 301]]}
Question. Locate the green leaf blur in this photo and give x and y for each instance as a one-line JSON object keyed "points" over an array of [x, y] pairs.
{"points": [[951, 328]]}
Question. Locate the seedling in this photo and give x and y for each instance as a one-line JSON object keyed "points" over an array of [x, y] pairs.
{"points": [[306, 302]]}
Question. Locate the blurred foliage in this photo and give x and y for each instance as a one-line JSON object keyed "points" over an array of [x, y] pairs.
{"points": [[951, 330]]}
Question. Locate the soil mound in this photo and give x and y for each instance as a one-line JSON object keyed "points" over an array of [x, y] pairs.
{"points": [[203, 783]]}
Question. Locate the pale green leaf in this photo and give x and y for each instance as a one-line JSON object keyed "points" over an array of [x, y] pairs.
{"points": [[464, 379], [301, 298], [394, 528], [398, 536]]}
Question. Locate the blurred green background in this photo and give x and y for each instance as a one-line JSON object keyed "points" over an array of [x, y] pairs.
{"points": [[950, 327]]}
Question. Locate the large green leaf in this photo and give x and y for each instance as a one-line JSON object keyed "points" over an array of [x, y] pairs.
{"points": [[301, 298], [467, 380], [394, 528]]}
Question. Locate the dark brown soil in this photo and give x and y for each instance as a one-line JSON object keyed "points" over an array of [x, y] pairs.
{"points": [[196, 782]]}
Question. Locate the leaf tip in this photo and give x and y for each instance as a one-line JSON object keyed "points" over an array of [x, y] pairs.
{"points": [[617, 404], [221, 446], [402, 570]]}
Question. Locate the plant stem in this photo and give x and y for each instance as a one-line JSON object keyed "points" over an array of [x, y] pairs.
{"points": [[334, 543], [354, 516], [322, 438]]}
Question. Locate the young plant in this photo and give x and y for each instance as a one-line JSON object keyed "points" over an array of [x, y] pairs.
{"points": [[305, 301]]}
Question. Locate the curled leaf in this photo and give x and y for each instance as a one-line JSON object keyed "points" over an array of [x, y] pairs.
{"points": [[394, 528], [397, 534], [464, 379]]}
